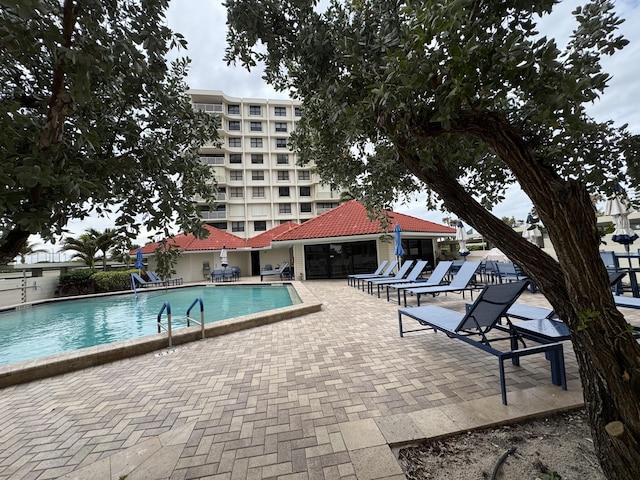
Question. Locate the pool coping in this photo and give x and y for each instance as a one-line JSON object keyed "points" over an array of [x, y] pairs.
{"points": [[36, 369]]}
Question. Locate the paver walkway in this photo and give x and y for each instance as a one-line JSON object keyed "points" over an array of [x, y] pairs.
{"points": [[322, 396]]}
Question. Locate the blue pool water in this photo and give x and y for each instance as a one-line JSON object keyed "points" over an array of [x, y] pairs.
{"points": [[68, 325]]}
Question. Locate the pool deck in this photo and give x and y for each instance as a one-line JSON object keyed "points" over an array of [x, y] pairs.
{"points": [[330, 394]]}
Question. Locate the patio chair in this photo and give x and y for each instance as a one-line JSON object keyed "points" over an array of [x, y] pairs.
{"points": [[364, 277], [480, 327], [404, 269], [153, 276], [462, 281], [412, 277], [280, 272], [528, 312], [351, 278], [437, 277], [135, 278]]}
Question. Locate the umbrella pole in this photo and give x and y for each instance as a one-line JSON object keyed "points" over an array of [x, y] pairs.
{"points": [[626, 247]]}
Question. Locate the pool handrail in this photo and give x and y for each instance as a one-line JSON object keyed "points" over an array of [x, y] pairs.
{"points": [[165, 306], [201, 322]]}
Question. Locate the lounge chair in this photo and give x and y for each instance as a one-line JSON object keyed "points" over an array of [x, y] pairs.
{"points": [[480, 327], [412, 277], [386, 274], [154, 277], [135, 278], [280, 272], [353, 277], [461, 282], [404, 269], [437, 277], [528, 312]]}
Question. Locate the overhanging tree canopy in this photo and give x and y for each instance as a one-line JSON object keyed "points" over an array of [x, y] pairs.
{"points": [[93, 120], [461, 99]]}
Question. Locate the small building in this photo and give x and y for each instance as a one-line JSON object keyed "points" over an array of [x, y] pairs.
{"points": [[334, 244]]}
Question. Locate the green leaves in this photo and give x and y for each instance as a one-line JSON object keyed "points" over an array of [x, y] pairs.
{"points": [[94, 117]]}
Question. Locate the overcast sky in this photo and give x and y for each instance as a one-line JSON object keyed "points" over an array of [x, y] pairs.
{"points": [[203, 24]]}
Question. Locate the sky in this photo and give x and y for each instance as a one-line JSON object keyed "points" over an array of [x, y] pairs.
{"points": [[203, 24]]}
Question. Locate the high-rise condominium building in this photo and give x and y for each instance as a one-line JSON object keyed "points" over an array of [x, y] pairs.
{"points": [[259, 184]]}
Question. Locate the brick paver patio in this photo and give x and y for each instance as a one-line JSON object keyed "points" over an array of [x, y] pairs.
{"points": [[322, 396]]}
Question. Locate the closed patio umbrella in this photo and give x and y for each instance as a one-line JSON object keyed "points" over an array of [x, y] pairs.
{"points": [[223, 257], [139, 264], [397, 234], [619, 209], [461, 237], [531, 232]]}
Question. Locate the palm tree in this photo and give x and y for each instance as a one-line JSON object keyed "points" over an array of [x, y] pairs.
{"points": [[28, 249], [84, 246], [104, 241]]}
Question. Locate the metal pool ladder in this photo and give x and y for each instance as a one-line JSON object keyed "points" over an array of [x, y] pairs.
{"points": [[167, 327]]}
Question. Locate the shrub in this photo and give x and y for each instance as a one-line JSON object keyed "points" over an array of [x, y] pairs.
{"points": [[113, 281], [77, 282]]}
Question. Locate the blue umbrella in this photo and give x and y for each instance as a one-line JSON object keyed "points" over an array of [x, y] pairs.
{"points": [[139, 263], [397, 233]]}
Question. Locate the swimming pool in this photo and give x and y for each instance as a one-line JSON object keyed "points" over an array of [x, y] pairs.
{"points": [[63, 326]]}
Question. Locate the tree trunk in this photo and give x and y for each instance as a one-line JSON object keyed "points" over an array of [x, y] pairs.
{"points": [[576, 285]]}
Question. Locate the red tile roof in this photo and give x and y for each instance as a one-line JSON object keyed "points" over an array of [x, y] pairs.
{"points": [[346, 220], [215, 241], [351, 219], [264, 239]]}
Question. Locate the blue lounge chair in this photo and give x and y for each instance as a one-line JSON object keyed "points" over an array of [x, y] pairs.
{"points": [[437, 277], [280, 272], [413, 275], [386, 274], [154, 277], [404, 269], [137, 279], [461, 282], [480, 327], [353, 277]]}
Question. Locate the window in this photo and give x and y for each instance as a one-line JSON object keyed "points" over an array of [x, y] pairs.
{"points": [[235, 158], [237, 226], [258, 192], [280, 111], [236, 192], [283, 175], [304, 175], [298, 112], [208, 107], [212, 158], [256, 142], [255, 110], [282, 158], [281, 143], [234, 125], [235, 142], [255, 126], [305, 191], [281, 127], [305, 208], [257, 175], [284, 208], [284, 191], [260, 226], [257, 158], [219, 225], [235, 175], [233, 109]]}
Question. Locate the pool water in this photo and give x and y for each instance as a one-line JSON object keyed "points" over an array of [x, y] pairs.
{"points": [[63, 326]]}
